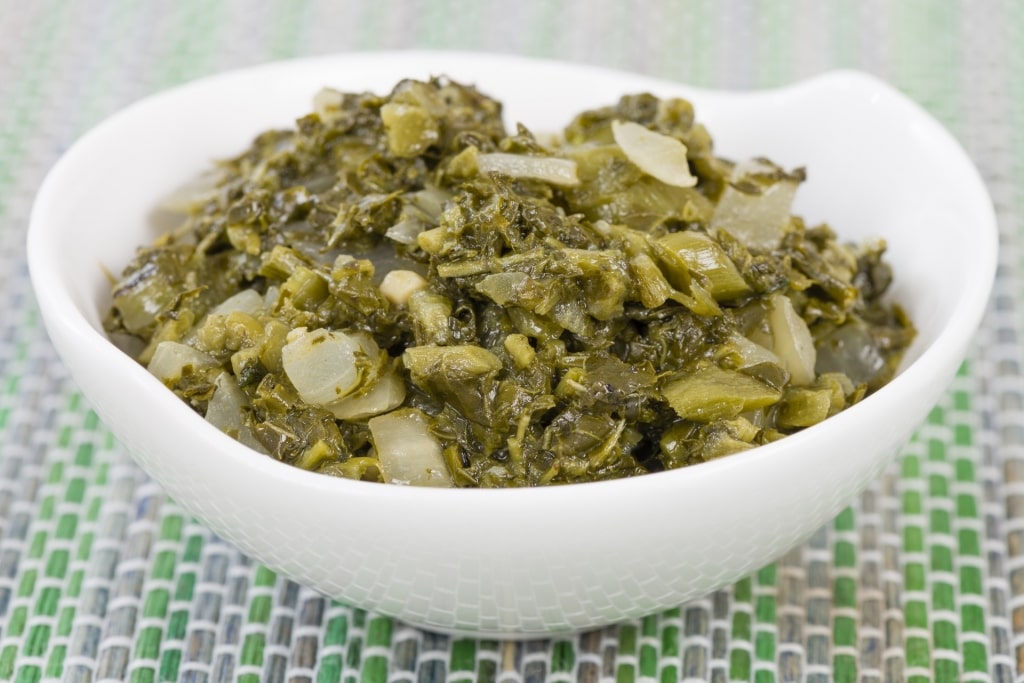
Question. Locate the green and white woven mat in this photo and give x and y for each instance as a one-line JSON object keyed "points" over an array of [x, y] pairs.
{"points": [[103, 578]]}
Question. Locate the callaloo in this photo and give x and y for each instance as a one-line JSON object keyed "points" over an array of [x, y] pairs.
{"points": [[399, 289]]}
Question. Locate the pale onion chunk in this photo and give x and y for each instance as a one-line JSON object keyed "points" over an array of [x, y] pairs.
{"points": [[430, 201], [406, 231], [322, 364], [757, 219], [171, 358], [398, 285], [387, 394], [660, 156], [224, 410], [247, 301], [327, 103], [270, 298], [549, 169], [407, 451], [792, 341], [751, 353]]}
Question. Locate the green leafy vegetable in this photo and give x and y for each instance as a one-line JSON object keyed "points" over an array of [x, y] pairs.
{"points": [[398, 289]]}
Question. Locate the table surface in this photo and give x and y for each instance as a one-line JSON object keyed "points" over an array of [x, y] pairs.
{"points": [[103, 578]]}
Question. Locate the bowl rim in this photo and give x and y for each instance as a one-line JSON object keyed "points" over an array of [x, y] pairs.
{"points": [[59, 310]]}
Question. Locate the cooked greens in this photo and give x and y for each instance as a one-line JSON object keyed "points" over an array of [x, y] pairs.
{"points": [[398, 289]]}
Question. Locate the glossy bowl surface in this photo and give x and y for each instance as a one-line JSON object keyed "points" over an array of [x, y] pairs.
{"points": [[524, 562]]}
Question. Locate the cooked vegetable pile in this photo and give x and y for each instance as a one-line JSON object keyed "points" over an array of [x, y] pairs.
{"points": [[399, 290]]}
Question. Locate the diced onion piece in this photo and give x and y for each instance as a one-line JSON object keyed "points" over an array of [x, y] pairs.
{"points": [[398, 285], [850, 351], [550, 169], [327, 103], [270, 298], [171, 358], [322, 363], [405, 232], [791, 340], [224, 410], [758, 219], [503, 288], [660, 156], [247, 301], [430, 201], [387, 394], [750, 353], [408, 453]]}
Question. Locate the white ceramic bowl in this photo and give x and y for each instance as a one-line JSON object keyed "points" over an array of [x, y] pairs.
{"points": [[528, 561]]}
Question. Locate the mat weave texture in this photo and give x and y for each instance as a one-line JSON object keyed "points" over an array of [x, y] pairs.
{"points": [[103, 578]]}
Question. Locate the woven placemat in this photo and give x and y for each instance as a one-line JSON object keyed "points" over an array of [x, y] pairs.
{"points": [[103, 578]]}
